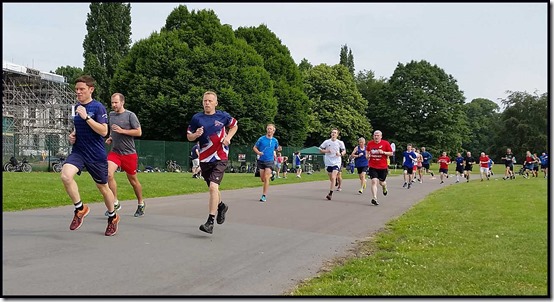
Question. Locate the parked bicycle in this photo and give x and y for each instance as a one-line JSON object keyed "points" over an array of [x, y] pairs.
{"points": [[173, 166], [16, 166], [57, 166]]}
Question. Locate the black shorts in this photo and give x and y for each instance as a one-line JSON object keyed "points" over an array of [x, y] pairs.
{"points": [[409, 170], [262, 165], [425, 166], [460, 169], [445, 171], [468, 168], [213, 171], [544, 166], [380, 174], [362, 169]]}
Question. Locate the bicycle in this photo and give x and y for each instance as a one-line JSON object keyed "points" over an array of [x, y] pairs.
{"points": [[15, 166], [173, 166], [57, 166]]}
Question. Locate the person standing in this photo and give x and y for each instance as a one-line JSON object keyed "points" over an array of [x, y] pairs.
{"points": [[209, 127], [443, 161], [124, 126], [91, 125], [468, 165], [331, 148], [484, 166], [195, 156], [266, 148], [509, 161], [378, 150], [459, 166], [426, 163], [408, 166], [359, 155], [279, 163], [298, 163]]}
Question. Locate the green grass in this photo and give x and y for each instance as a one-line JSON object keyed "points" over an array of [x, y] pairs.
{"points": [[23, 191], [473, 239]]}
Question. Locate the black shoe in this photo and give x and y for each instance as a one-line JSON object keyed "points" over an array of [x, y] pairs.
{"points": [[442, 182], [374, 202], [409, 186], [140, 210], [207, 227], [221, 210], [405, 184], [385, 192], [329, 196], [432, 174]]}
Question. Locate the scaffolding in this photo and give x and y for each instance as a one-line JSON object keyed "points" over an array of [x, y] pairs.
{"points": [[36, 113]]}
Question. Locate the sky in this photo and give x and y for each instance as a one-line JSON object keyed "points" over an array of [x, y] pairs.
{"points": [[488, 48]]}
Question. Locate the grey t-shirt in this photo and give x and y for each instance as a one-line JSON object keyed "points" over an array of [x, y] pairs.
{"points": [[121, 143]]}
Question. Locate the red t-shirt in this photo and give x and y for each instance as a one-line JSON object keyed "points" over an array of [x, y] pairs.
{"points": [[484, 161], [443, 162], [378, 161]]}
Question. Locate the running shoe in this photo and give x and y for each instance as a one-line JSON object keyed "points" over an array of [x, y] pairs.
{"points": [[329, 196], [79, 217], [405, 184], [207, 227], [409, 186], [374, 202], [140, 210], [385, 192], [361, 191], [221, 210], [111, 229], [263, 198]]}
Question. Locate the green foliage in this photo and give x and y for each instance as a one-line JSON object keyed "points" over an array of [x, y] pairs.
{"points": [[425, 108], [292, 109], [346, 58], [336, 102], [523, 124], [107, 41], [69, 72], [166, 75], [482, 115]]}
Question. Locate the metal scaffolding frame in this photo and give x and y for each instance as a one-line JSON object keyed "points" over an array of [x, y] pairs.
{"points": [[36, 113]]}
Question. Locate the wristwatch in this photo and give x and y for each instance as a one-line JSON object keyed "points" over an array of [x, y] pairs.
{"points": [[87, 118]]}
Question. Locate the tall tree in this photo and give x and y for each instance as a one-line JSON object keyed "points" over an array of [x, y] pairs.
{"points": [[336, 102], [108, 40], [524, 124], [347, 59], [69, 72], [165, 75], [292, 107], [374, 91], [482, 115], [425, 108]]}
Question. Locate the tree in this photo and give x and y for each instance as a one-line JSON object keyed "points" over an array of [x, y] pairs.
{"points": [[165, 75], [524, 124], [346, 58], [108, 40], [425, 108], [292, 103], [69, 72], [336, 102], [482, 115], [374, 91]]}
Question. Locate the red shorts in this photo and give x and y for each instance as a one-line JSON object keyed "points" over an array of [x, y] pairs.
{"points": [[127, 162]]}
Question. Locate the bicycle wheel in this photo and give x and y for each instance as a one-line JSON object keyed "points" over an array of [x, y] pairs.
{"points": [[27, 168], [177, 168], [57, 167], [10, 167]]}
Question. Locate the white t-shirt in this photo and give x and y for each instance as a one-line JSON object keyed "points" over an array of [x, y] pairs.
{"points": [[332, 159]]}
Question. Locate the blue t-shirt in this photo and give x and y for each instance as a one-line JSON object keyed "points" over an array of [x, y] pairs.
{"points": [[362, 160], [544, 159], [193, 154], [89, 144], [297, 161], [211, 141], [426, 157], [459, 162], [267, 146], [409, 158]]}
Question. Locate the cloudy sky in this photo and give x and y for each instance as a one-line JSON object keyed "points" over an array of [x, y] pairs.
{"points": [[488, 48]]}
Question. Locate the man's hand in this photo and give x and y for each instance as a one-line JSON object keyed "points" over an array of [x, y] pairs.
{"points": [[109, 140], [116, 128], [81, 111]]}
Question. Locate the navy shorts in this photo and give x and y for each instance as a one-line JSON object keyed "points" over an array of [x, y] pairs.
{"points": [[445, 171], [362, 169], [330, 169], [97, 170]]}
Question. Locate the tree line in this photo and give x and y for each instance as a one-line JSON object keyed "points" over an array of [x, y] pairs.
{"points": [[164, 76]]}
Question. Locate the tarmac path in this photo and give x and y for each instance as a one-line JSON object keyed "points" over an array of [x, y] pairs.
{"points": [[262, 249]]}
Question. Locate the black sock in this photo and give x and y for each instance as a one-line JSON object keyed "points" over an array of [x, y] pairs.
{"points": [[331, 192], [78, 205], [211, 218]]}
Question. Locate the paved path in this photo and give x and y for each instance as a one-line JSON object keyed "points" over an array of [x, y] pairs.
{"points": [[261, 249]]}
